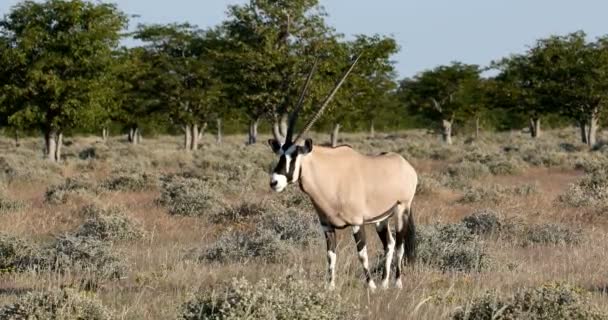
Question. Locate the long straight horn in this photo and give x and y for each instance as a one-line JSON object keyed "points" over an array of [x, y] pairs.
{"points": [[314, 119], [294, 115]]}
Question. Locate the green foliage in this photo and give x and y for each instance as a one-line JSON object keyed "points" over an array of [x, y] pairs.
{"points": [[17, 254], [451, 247], [287, 298], [56, 68], [65, 304], [549, 302], [188, 196], [60, 193], [108, 224], [590, 190], [129, 181]]}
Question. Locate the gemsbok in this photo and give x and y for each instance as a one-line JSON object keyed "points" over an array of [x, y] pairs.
{"points": [[349, 189]]}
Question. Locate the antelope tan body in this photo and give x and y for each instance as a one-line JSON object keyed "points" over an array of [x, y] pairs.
{"points": [[351, 189]]}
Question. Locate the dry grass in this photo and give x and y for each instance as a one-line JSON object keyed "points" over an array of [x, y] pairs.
{"points": [[160, 278]]}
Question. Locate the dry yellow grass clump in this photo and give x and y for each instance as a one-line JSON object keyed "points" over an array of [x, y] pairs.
{"points": [[509, 228]]}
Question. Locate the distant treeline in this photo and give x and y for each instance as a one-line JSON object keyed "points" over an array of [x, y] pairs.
{"points": [[63, 71]]}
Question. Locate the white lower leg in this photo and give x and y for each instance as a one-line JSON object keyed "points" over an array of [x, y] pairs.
{"points": [[331, 258], [387, 262], [364, 261], [400, 251]]}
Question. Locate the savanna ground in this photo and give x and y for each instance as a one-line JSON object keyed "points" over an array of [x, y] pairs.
{"points": [[139, 231]]}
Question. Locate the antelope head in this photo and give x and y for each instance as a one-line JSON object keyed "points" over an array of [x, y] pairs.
{"points": [[291, 151]]}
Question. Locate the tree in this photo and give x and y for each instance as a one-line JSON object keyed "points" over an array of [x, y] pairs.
{"points": [[577, 77], [58, 55], [434, 93], [186, 82], [270, 46]]}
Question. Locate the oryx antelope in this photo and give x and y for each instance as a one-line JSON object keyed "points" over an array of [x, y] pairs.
{"points": [[348, 188]]}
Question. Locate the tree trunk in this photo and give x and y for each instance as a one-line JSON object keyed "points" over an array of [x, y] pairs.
{"points": [[187, 137], [476, 127], [535, 127], [283, 122], [138, 135], [446, 133], [58, 145], [50, 140], [195, 136], [104, 134], [253, 131], [201, 131], [219, 131], [372, 130], [583, 130], [334, 135], [135, 136], [130, 135], [592, 131], [17, 143]]}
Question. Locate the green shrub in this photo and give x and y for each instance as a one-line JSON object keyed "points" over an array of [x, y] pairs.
{"points": [[590, 190], [188, 196], [427, 184], [267, 299], [548, 234], [108, 224], [8, 205], [295, 227], [555, 302], [59, 193], [467, 170], [241, 211], [63, 304], [17, 254], [90, 256], [451, 247], [241, 246], [132, 181], [505, 166], [483, 222]]}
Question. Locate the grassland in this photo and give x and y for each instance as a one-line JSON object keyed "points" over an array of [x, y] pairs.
{"points": [[145, 229]]}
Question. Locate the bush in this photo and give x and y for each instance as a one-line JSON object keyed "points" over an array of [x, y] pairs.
{"points": [[467, 170], [129, 182], [451, 247], [84, 254], [483, 222], [295, 227], [427, 184], [505, 166], [241, 211], [241, 246], [497, 193], [590, 190], [63, 304], [188, 196], [283, 299], [17, 254], [108, 224], [548, 234], [554, 302], [59, 193]]}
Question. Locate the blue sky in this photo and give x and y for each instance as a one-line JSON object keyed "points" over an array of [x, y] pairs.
{"points": [[429, 32]]}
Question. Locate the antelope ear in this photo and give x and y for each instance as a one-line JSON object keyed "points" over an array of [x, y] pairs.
{"points": [[275, 145], [307, 146]]}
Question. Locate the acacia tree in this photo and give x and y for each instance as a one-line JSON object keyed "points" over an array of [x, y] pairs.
{"points": [[58, 53], [434, 93], [270, 46], [577, 77], [185, 80]]}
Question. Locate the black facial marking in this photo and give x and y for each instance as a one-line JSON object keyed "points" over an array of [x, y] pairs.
{"points": [[281, 167]]}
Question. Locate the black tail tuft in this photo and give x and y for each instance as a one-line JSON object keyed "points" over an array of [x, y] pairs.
{"points": [[410, 238]]}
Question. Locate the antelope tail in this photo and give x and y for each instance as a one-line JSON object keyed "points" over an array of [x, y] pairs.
{"points": [[410, 238]]}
